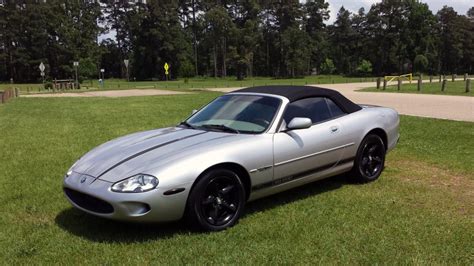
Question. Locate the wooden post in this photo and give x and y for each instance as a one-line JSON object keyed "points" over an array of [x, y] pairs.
{"points": [[384, 84], [465, 76], [440, 78], [399, 85], [17, 92], [431, 79], [378, 83], [468, 85], [453, 78], [443, 85], [419, 84]]}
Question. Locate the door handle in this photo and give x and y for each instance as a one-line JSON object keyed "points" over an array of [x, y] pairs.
{"points": [[334, 129]]}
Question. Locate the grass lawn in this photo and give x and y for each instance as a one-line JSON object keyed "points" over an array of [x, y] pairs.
{"points": [[198, 83], [420, 211], [452, 88]]}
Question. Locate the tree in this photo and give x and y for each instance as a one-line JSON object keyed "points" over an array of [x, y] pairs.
{"points": [[315, 14], [450, 48], [218, 28], [153, 46], [327, 67], [342, 34], [420, 64], [364, 68], [186, 70], [87, 69]]}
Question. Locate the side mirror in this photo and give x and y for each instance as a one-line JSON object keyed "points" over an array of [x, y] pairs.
{"points": [[194, 111], [299, 123]]}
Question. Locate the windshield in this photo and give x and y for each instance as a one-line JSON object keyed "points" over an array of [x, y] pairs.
{"points": [[237, 113]]}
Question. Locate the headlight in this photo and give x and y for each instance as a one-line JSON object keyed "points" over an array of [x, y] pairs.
{"points": [[137, 183], [69, 172]]}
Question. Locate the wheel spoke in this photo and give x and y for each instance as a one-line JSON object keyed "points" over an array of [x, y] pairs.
{"points": [[226, 190], [211, 220], [214, 213], [210, 199], [372, 149], [365, 160], [370, 169], [231, 207], [377, 159]]}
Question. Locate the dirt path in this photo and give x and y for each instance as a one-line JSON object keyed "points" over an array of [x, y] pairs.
{"points": [[111, 93], [460, 108]]}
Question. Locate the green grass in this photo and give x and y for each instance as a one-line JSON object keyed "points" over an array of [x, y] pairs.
{"points": [[452, 88], [197, 83], [419, 212]]}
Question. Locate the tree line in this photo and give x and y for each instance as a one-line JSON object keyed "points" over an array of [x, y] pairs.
{"points": [[220, 38]]}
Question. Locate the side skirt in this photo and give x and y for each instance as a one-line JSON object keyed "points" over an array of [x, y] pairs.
{"points": [[281, 183]]}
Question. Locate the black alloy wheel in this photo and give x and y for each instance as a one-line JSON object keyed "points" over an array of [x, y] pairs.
{"points": [[370, 159], [216, 201]]}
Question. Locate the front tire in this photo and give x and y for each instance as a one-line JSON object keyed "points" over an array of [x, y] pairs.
{"points": [[216, 201], [370, 159]]}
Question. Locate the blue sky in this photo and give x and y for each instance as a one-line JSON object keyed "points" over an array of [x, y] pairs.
{"points": [[461, 6]]}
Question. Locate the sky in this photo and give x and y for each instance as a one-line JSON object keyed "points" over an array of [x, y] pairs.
{"points": [[461, 6]]}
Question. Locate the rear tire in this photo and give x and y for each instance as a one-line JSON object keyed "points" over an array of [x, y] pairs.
{"points": [[216, 201], [370, 159]]}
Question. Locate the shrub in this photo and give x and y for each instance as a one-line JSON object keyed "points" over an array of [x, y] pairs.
{"points": [[420, 63], [48, 86], [186, 70], [364, 68], [327, 67]]}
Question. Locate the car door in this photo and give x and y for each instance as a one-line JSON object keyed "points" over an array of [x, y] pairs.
{"points": [[298, 153]]}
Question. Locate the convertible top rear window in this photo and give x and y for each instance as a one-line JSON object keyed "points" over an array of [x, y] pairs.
{"points": [[295, 93]]}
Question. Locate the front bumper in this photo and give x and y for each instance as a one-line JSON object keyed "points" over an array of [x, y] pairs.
{"points": [[95, 197]]}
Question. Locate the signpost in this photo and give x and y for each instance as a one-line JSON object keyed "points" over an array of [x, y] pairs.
{"points": [[102, 71], [42, 68], [125, 62], [76, 64], [166, 67]]}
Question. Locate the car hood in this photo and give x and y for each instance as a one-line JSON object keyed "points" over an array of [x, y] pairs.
{"points": [[114, 160]]}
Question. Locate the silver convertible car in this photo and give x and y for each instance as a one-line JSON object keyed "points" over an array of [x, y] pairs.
{"points": [[240, 147]]}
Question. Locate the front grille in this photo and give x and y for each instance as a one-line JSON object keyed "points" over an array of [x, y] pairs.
{"points": [[88, 202]]}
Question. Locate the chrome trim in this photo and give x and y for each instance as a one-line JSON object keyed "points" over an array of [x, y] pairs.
{"points": [[261, 169], [314, 154]]}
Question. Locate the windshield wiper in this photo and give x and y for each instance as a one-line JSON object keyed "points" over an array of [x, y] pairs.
{"points": [[221, 127], [186, 124]]}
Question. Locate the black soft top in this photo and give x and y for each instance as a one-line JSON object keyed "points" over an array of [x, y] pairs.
{"points": [[294, 93]]}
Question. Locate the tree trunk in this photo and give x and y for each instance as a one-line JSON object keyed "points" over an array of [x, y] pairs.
{"points": [[195, 39], [224, 67], [215, 60]]}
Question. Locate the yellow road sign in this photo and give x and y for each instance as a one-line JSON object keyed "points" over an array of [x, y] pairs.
{"points": [[167, 67]]}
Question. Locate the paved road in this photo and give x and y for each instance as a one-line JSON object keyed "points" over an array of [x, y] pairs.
{"points": [[459, 108]]}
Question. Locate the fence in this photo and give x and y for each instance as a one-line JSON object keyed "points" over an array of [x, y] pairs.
{"points": [[442, 80], [8, 94]]}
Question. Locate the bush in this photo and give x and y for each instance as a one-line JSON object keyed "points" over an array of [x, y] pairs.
{"points": [[186, 70], [87, 69], [48, 86], [364, 68], [420, 64], [327, 67]]}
